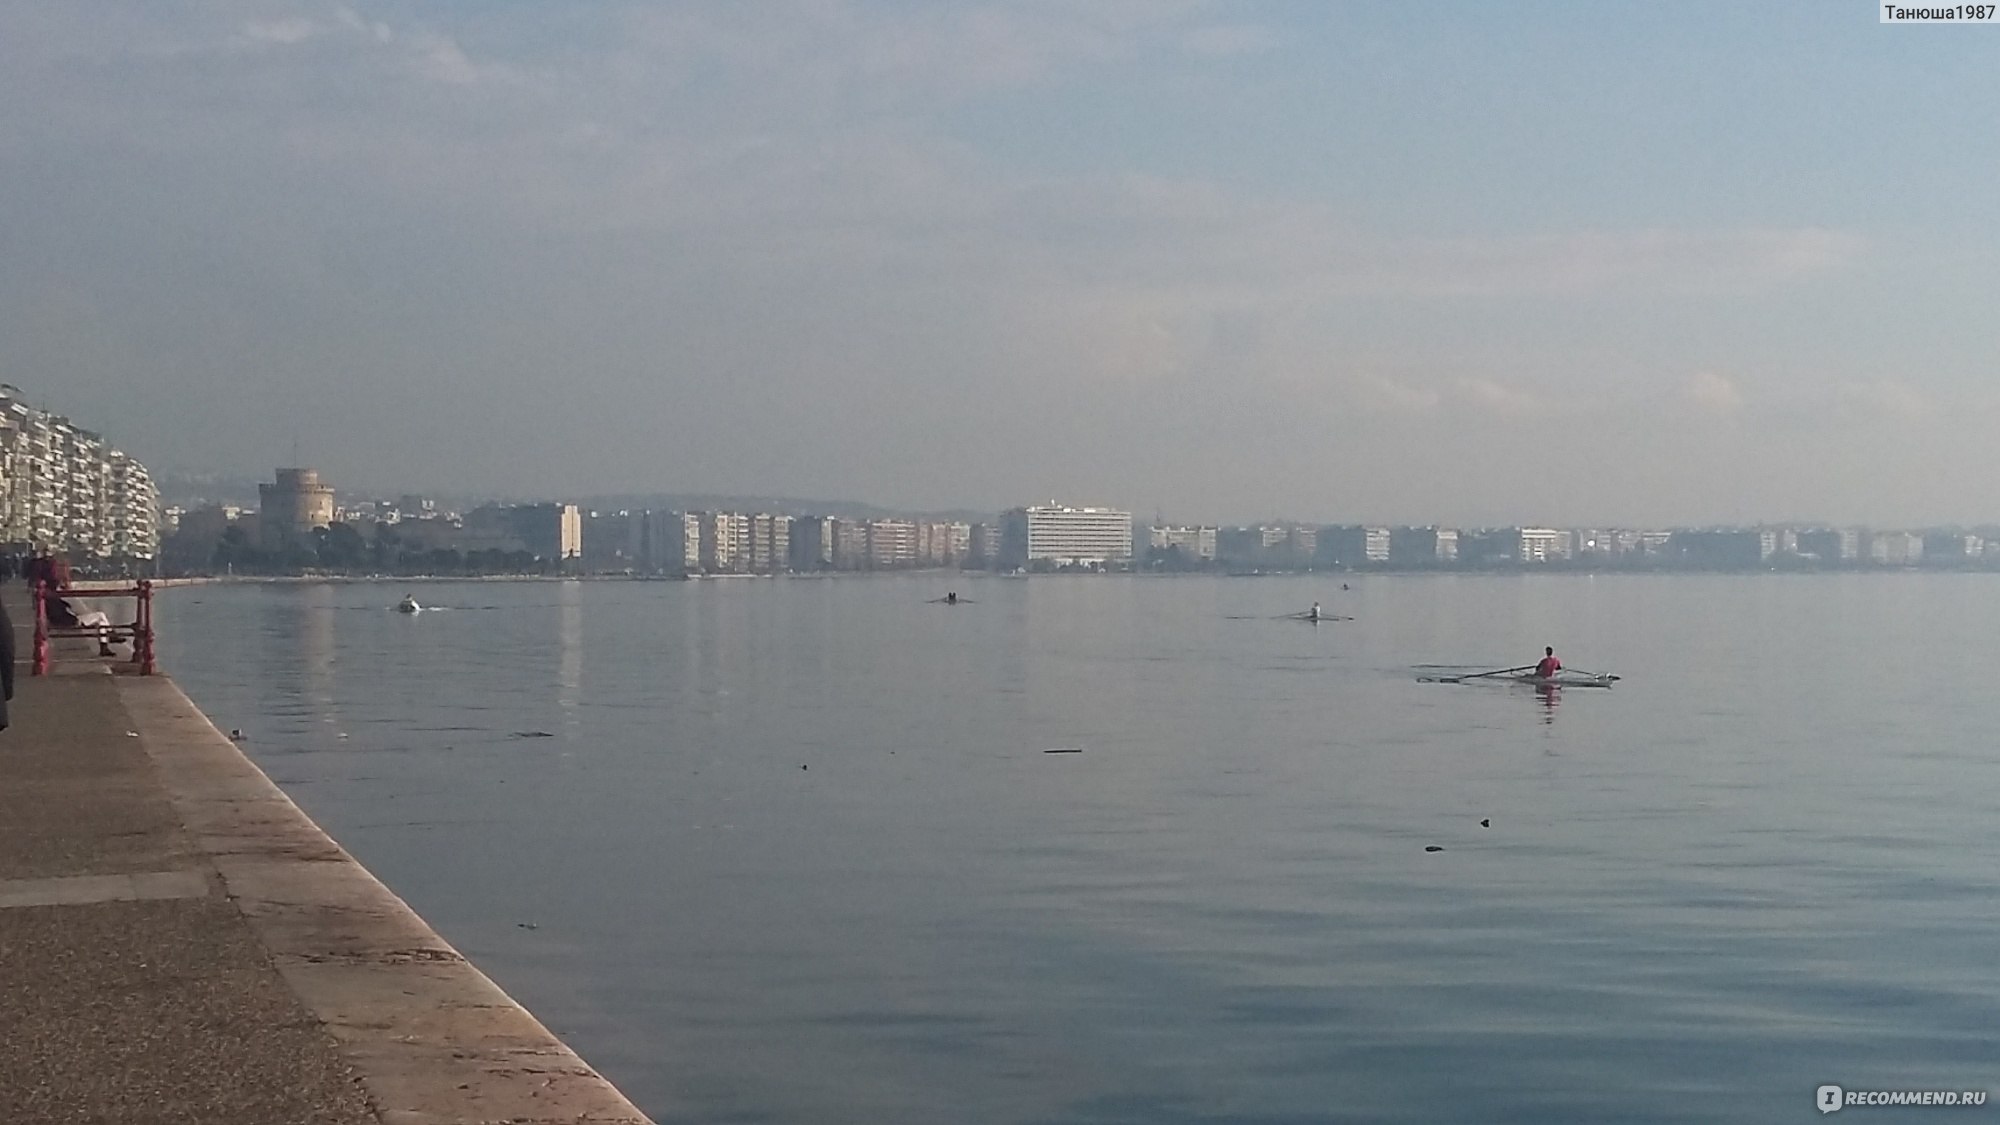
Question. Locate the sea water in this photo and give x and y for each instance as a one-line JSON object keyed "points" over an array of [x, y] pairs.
{"points": [[796, 850]]}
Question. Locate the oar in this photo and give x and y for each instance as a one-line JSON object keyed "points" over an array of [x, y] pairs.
{"points": [[1478, 675]]}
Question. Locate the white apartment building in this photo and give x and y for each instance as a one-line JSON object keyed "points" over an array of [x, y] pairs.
{"points": [[1540, 544], [1065, 536], [64, 489], [1194, 542], [1895, 548]]}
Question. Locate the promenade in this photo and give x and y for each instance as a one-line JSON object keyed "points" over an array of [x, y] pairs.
{"points": [[179, 943]]}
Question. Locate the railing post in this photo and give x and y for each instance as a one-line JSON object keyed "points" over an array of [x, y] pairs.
{"points": [[41, 665], [142, 645]]}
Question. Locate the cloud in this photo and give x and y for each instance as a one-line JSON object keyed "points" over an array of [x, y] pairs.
{"points": [[1226, 40], [283, 32], [1386, 395], [1882, 399], [1495, 398], [1598, 261], [441, 58], [1714, 394]]}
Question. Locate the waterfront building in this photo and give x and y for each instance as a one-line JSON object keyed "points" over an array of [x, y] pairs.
{"points": [[1952, 548], [1195, 544], [1722, 549], [690, 553], [1420, 546], [1057, 535], [850, 544], [724, 543], [1240, 547], [1355, 545], [65, 489], [811, 544], [943, 543], [660, 542], [1895, 548], [984, 550], [891, 543], [1830, 545], [132, 508], [1539, 544], [770, 545], [615, 542], [553, 532], [292, 507]]}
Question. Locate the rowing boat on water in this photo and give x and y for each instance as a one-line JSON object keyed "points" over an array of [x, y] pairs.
{"points": [[1561, 679]]}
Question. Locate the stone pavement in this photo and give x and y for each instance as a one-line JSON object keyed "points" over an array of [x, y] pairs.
{"points": [[178, 943]]}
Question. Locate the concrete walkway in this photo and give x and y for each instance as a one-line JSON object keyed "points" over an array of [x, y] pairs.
{"points": [[178, 943]]}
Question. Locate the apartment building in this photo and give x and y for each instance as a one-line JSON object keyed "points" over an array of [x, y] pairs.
{"points": [[65, 489]]}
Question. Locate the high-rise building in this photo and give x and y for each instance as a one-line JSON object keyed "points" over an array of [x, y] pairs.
{"points": [[943, 542], [983, 541], [850, 544], [892, 544], [64, 489], [1539, 544], [1195, 544], [725, 543], [1354, 545], [1830, 545], [770, 543], [812, 543], [1721, 549], [1422, 546], [1057, 535], [1895, 548], [553, 532], [690, 553]]}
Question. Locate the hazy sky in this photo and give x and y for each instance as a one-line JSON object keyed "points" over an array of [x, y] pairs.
{"points": [[1567, 262]]}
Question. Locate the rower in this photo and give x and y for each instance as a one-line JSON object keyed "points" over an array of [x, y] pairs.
{"points": [[1549, 665], [1313, 615], [951, 597]]}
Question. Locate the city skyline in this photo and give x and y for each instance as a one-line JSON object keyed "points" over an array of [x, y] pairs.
{"points": [[300, 526], [1587, 263]]}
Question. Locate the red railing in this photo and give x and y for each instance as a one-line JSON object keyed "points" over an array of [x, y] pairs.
{"points": [[139, 631]]}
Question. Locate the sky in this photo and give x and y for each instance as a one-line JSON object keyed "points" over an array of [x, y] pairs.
{"points": [[1572, 263]]}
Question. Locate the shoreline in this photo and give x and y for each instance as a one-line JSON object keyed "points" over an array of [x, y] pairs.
{"points": [[84, 586], [430, 1037], [187, 942]]}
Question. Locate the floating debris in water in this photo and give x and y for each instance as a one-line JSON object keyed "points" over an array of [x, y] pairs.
{"points": [[527, 925], [236, 734], [1432, 848], [533, 734], [131, 734], [1486, 824]]}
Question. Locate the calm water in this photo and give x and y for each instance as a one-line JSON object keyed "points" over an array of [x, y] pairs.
{"points": [[793, 851]]}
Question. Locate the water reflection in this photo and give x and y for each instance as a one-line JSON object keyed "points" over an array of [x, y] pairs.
{"points": [[317, 645], [1222, 910], [569, 667]]}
